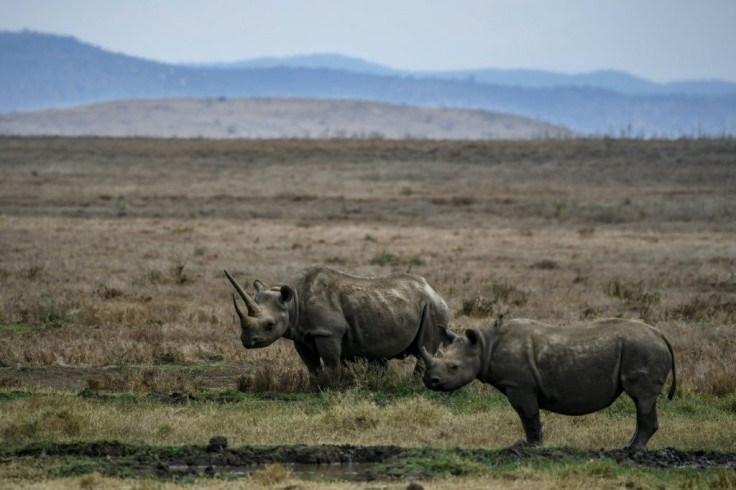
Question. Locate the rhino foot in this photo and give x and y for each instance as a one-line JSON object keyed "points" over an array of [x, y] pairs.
{"points": [[635, 449], [521, 443]]}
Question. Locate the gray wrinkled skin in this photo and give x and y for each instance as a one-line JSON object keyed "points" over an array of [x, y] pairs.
{"points": [[572, 371], [334, 317]]}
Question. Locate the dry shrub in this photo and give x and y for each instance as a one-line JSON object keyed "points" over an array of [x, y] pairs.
{"points": [[62, 422], [346, 412], [416, 411], [546, 264], [704, 355], [635, 297], [360, 375], [495, 296], [93, 480], [714, 307], [477, 306], [272, 474], [719, 383], [393, 377], [10, 381], [274, 377]]}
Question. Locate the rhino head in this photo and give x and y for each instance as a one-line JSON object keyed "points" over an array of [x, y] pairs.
{"points": [[458, 365], [269, 315]]}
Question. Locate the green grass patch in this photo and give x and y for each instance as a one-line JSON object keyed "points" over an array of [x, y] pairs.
{"points": [[14, 395], [19, 327]]}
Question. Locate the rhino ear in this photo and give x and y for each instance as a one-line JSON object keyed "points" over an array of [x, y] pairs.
{"points": [[287, 293], [259, 286], [473, 335]]}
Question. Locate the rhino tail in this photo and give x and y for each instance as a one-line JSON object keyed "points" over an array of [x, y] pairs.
{"points": [[673, 386]]}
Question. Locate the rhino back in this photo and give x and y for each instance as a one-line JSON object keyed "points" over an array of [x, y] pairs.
{"points": [[578, 370], [375, 317]]}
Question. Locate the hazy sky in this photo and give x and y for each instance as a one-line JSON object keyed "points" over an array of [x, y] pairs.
{"points": [[659, 39]]}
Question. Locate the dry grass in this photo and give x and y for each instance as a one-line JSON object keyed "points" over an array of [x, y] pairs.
{"points": [[580, 478], [113, 250], [349, 417]]}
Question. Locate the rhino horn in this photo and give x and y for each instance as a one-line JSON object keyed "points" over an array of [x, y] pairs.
{"points": [[238, 310], [425, 356], [253, 308]]}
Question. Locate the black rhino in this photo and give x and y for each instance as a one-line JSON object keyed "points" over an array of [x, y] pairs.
{"points": [[334, 317], [572, 371]]}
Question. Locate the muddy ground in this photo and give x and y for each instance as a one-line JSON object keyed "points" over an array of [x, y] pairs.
{"points": [[345, 462]]}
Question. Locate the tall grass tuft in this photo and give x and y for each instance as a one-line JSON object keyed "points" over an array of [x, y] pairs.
{"points": [[274, 377]]}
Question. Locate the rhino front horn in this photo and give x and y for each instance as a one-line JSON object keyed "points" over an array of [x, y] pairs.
{"points": [[238, 310], [425, 355], [253, 308]]}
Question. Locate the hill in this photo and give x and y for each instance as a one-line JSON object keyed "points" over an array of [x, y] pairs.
{"points": [[39, 71], [274, 118]]}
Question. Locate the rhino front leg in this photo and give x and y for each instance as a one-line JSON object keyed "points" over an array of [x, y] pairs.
{"points": [[329, 350], [526, 405], [309, 356]]}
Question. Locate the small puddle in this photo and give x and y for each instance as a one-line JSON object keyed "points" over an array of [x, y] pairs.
{"points": [[344, 471]]}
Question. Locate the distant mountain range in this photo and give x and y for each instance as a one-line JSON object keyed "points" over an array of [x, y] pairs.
{"points": [[40, 71], [617, 81]]}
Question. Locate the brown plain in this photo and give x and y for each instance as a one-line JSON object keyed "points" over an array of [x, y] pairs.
{"points": [[113, 249]]}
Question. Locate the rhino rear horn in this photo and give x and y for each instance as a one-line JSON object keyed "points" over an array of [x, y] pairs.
{"points": [[253, 308]]}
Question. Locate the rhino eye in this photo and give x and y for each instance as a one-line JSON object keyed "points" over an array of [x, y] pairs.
{"points": [[269, 326], [452, 367]]}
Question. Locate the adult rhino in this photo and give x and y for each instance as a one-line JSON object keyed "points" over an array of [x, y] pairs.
{"points": [[334, 317], [572, 371]]}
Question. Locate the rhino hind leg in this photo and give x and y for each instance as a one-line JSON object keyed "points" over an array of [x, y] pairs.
{"points": [[643, 386], [647, 423], [526, 405]]}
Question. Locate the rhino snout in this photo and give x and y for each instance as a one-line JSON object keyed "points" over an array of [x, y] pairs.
{"points": [[432, 381], [253, 342]]}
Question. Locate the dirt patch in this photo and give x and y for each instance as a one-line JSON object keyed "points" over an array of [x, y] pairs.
{"points": [[80, 377]]}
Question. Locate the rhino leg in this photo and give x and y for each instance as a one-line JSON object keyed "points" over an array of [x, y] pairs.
{"points": [[643, 386], [309, 356], [329, 350], [527, 406], [647, 423]]}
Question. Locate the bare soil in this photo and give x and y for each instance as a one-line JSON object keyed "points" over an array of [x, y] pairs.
{"points": [[222, 375]]}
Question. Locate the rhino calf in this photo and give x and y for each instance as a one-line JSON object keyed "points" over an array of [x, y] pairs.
{"points": [[572, 371], [333, 317]]}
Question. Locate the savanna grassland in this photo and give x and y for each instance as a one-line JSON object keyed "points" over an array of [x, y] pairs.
{"points": [[117, 327]]}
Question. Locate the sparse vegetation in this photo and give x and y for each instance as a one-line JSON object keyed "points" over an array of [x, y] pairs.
{"points": [[140, 308], [634, 296]]}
